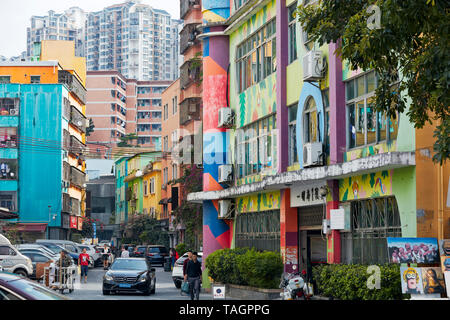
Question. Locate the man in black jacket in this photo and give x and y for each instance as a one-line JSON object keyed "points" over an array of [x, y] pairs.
{"points": [[194, 273]]}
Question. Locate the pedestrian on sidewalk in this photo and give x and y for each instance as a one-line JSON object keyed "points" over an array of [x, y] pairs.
{"points": [[189, 253], [125, 253], [194, 273], [83, 261]]}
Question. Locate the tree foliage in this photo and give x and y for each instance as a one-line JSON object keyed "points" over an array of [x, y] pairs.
{"points": [[410, 47], [144, 229], [91, 128], [126, 140]]}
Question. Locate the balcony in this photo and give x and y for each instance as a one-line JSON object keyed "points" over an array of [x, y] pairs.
{"points": [[76, 146], [66, 172], [190, 110], [78, 119], [77, 177], [66, 109], [188, 36], [66, 206], [187, 5], [73, 84], [75, 206], [190, 72], [66, 140]]}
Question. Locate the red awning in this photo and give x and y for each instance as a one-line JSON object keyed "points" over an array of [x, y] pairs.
{"points": [[27, 227]]}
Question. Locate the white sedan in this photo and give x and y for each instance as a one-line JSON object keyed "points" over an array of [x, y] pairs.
{"points": [[177, 273]]}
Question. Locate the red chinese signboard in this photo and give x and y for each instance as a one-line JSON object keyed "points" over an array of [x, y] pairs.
{"points": [[80, 223], [73, 222]]}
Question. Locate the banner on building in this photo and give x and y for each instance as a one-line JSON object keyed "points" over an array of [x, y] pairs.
{"points": [[73, 222], [80, 223], [413, 250]]}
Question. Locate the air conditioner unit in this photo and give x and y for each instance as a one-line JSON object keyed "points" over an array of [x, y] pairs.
{"points": [[312, 154], [226, 209], [313, 66], [226, 118], [225, 173]]}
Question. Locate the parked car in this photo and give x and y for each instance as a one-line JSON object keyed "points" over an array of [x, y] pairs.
{"points": [[12, 260], [103, 242], [37, 248], [70, 246], [156, 254], [15, 287], [95, 258], [140, 252], [130, 275], [37, 257], [177, 272]]}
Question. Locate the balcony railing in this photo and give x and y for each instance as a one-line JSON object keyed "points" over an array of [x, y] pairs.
{"points": [[188, 36], [76, 146], [66, 207], [190, 72], [75, 203], [78, 119], [66, 140], [190, 110], [66, 171], [73, 84], [66, 109], [77, 177], [186, 5]]}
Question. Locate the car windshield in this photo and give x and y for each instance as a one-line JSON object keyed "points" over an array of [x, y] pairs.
{"points": [[157, 250], [55, 248], [35, 290], [141, 249], [129, 264]]}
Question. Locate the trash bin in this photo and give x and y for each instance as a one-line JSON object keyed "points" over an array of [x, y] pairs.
{"points": [[168, 264]]}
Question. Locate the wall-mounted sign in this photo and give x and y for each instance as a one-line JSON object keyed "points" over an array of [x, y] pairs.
{"points": [[340, 218], [219, 292], [80, 223], [307, 195], [73, 222]]}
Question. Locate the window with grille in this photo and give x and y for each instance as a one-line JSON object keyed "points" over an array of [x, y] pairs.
{"points": [[372, 220]]}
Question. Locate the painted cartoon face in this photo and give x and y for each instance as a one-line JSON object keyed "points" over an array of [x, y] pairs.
{"points": [[412, 283], [402, 250], [407, 246]]}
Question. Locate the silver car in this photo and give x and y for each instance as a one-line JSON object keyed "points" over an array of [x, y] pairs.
{"points": [[94, 254]]}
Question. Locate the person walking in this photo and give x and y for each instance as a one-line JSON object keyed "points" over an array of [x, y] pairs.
{"points": [[193, 275], [189, 253], [125, 253], [105, 257], [83, 262]]}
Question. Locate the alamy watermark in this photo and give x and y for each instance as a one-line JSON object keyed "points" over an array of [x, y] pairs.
{"points": [[374, 280], [374, 20]]}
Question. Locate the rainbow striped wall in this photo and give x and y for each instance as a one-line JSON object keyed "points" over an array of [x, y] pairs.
{"points": [[216, 233]]}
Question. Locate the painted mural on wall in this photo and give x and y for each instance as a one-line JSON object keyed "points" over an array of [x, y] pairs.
{"points": [[259, 202], [259, 100], [372, 185], [370, 150]]}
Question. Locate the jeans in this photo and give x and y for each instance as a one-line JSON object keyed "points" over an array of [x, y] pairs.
{"points": [[194, 287]]}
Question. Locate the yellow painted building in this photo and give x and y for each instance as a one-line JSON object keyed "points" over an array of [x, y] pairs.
{"points": [[152, 182]]}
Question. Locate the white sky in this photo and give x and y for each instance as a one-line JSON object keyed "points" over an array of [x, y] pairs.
{"points": [[15, 17]]}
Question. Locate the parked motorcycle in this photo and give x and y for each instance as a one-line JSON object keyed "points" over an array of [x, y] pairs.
{"points": [[295, 287]]}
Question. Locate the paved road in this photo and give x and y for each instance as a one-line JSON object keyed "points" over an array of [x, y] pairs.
{"points": [[92, 290]]}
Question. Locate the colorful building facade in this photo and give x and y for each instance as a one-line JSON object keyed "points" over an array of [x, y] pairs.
{"points": [[307, 147], [43, 107]]}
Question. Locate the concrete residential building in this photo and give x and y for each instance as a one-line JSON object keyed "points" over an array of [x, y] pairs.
{"points": [[137, 40], [119, 106], [70, 25], [43, 138]]}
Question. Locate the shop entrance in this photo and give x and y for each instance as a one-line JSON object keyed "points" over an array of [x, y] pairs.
{"points": [[313, 244]]}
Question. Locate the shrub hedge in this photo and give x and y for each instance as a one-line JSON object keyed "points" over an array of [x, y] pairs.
{"points": [[243, 266], [349, 282]]}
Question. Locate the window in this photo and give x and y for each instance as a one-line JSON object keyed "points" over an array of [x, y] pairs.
{"points": [[8, 169], [5, 79], [256, 57], [6, 295], [293, 156], [310, 122], [152, 185], [35, 79], [256, 147], [8, 137], [166, 144], [292, 33], [174, 105], [372, 221], [145, 187], [239, 3], [9, 106], [6, 251], [165, 176], [174, 172], [365, 125], [166, 111], [143, 127]]}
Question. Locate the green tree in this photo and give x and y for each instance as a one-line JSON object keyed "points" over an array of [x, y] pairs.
{"points": [[126, 140], [410, 46], [90, 128]]}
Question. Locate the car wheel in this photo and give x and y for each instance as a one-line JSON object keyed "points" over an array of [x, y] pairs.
{"points": [[21, 272], [154, 288]]}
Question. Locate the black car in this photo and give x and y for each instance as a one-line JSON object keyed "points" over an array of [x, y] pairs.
{"points": [[130, 275], [140, 252], [14, 287], [157, 254]]}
